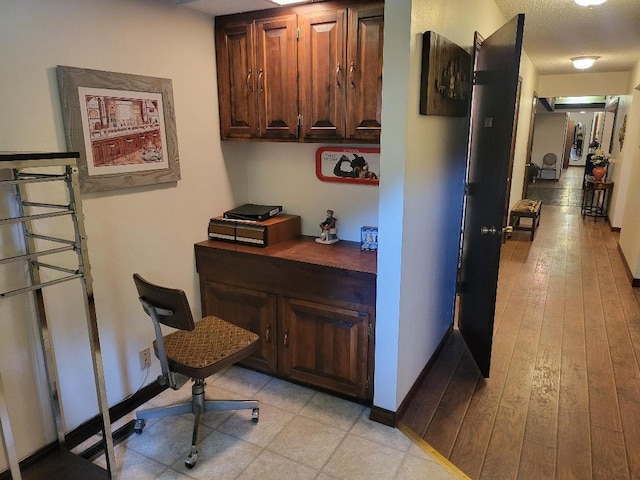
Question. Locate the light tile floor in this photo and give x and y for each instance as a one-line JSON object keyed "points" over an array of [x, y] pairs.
{"points": [[302, 434]]}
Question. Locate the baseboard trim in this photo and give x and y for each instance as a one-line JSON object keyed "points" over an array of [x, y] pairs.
{"points": [[383, 416], [423, 374], [635, 282], [616, 229], [92, 426]]}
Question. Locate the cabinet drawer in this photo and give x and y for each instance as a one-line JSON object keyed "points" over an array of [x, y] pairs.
{"points": [[287, 277]]}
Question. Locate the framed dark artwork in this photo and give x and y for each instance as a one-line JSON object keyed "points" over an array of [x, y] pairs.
{"points": [[445, 83], [348, 165], [122, 125]]}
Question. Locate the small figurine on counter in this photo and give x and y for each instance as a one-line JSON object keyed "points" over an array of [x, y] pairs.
{"points": [[329, 232]]}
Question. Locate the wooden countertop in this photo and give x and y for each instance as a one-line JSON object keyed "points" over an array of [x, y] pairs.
{"points": [[344, 254]]}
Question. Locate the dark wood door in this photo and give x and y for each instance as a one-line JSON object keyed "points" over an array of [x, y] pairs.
{"points": [[277, 82], [236, 81], [325, 346], [492, 127], [321, 66], [364, 72], [249, 309]]}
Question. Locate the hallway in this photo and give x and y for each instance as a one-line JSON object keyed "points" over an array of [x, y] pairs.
{"points": [[564, 192], [563, 400]]}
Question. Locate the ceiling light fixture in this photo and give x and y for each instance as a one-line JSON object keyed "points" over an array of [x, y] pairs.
{"points": [[584, 62], [589, 3], [289, 2]]}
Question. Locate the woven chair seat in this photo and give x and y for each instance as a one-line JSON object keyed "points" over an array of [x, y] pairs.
{"points": [[527, 205], [213, 340]]}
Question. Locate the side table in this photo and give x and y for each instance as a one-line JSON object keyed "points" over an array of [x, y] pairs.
{"points": [[595, 199]]}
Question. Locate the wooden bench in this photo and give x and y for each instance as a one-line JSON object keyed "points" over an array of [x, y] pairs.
{"points": [[528, 209]]}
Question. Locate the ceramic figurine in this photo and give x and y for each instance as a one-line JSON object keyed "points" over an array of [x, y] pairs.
{"points": [[329, 232]]}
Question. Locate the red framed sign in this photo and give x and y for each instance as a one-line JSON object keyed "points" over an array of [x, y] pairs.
{"points": [[349, 165]]}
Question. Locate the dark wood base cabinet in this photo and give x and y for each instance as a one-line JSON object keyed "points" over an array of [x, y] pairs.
{"points": [[313, 306]]}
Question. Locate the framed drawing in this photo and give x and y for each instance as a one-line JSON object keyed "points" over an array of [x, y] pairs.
{"points": [[445, 83], [123, 126], [349, 165]]}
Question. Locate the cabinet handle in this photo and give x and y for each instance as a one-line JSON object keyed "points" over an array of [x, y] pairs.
{"points": [[260, 83], [267, 336], [338, 69], [351, 70], [249, 84], [286, 338]]}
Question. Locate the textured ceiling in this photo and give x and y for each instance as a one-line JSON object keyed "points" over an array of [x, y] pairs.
{"points": [[555, 30]]}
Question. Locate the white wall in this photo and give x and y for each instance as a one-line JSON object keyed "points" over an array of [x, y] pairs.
{"points": [[620, 167], [420, 273], [630, 233], [549, 137], [284, 174], [583, 84], [392, 202], [150, 230], [529, 82]]}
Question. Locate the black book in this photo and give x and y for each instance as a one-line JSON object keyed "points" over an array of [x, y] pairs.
{"points": [[250, 211]]}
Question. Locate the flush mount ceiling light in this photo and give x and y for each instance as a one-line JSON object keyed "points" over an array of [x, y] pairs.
{"points": [[582, 63], [289, 2], [590, 3]]}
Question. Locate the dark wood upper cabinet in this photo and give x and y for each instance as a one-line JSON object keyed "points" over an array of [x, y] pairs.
{"points": [[277, 62], [236, 81], [306, 73], [322, 60], [364, 100]]}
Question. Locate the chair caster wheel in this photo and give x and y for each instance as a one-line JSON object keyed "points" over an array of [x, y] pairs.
{"points": [[255, 415], [192, 458], [139, 425]]}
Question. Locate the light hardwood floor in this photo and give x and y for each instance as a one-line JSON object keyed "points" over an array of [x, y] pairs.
{"points": [[563, 399]]}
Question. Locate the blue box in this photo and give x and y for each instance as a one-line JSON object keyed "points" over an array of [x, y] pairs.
{"points": [[369, 238]]}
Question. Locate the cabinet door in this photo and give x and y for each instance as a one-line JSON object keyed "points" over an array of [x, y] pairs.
{"points": [[277, 82], [250, 309], [321, 66], [324, 346], [236, 81], [364, 58]]}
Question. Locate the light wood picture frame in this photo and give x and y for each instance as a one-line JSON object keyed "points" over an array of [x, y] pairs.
{"points": [[123, 126]]}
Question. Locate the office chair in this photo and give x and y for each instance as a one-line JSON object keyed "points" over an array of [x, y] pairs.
{"points": [[195, 350]]}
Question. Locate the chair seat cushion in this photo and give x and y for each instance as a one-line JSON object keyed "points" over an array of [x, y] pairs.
{"points": [[526, 205], [211, 346]]}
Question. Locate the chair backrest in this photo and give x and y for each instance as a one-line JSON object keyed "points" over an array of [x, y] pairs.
{"points": [[549, 159], [174, 310]]}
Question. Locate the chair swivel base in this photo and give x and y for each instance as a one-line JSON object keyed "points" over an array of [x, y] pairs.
{"points": [[197, 406]]}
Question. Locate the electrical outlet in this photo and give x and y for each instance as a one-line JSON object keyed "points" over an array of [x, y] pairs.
{"points": [[145, 358]]}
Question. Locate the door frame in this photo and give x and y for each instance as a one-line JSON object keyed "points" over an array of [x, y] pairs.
{"points": [[532, 123]]}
